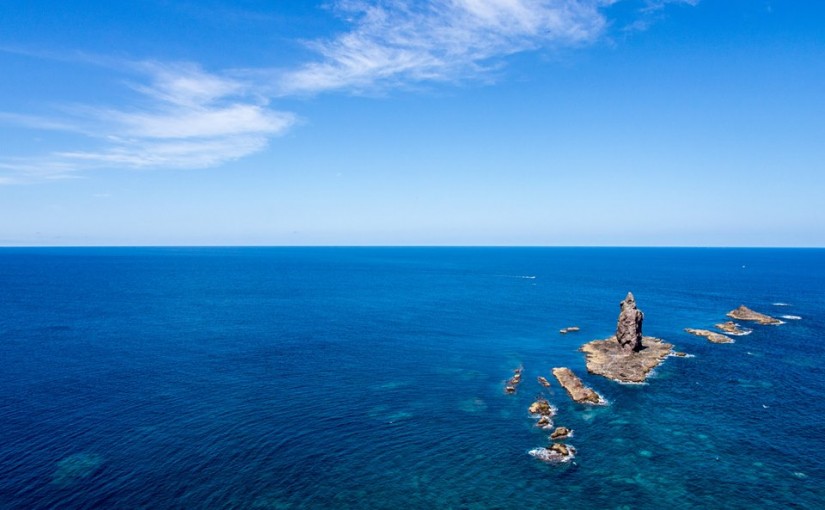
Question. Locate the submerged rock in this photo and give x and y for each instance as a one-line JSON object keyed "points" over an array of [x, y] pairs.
{"points": [[575, 388], [712, 336], [76, 467], [629, 325], [561, 433], [732, 328], [743, 313], [544, 382], [555, 453]]}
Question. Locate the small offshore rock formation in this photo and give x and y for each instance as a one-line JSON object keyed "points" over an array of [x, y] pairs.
{"points": [[542, 407], [570, 329], [712, 336], [732, 328], [543, 381], [629, 325], [514, 381], [544, 411], [743, 313], [680, 354], [577, 391], [561, 433], [555, 453], [626, 357]]}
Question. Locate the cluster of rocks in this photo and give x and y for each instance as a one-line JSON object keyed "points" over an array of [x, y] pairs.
{"points": [[743, 313], [513, 382], [544, 411], [555, 452], [627, 357]]}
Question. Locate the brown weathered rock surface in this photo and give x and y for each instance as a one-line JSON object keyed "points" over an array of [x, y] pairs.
{"points": [[561, 433], [607, 358], [629, 325], [542, 407], [556, 453], [577, 391], [543, 381], [712, 336], [732, 328], [743, 313]]}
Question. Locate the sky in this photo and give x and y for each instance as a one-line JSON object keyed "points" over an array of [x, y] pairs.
{"points": [[435, 122]]}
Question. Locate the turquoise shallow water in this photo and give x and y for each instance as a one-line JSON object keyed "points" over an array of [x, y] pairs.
{"points": [[373, 378]]}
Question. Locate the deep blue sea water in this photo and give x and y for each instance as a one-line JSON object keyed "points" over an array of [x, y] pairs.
{"points": [[373, 378]]}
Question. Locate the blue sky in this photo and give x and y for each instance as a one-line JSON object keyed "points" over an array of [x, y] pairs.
{"points": [[384, 122]]}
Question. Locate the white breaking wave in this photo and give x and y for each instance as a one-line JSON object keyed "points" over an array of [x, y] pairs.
{"points": [[791, 317]]}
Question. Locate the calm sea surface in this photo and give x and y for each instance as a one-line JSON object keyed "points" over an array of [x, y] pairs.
{"points": [[373, 378]]}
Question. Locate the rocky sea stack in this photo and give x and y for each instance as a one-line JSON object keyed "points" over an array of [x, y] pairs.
{"points": [[629, 325], [628, 357]]}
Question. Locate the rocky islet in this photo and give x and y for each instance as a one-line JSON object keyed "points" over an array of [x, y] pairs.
{"points": [[711, 336], [743, 313]]}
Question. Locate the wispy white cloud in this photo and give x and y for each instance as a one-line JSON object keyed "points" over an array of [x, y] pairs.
{"points": [[183, 117], [397, 42]]}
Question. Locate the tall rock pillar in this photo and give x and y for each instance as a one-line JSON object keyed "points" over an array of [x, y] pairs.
{"points": [[629, 326]]}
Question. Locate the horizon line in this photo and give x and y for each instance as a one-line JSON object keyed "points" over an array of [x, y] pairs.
{"points": [[14, 246]]}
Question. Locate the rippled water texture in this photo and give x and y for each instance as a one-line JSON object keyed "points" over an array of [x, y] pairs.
{"points": [[374, 378]]}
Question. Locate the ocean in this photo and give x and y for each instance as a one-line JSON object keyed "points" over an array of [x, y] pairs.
{"points": [[279, 378]]}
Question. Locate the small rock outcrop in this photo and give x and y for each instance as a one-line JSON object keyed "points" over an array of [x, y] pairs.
{"points": [[575, 388], [570, 329], [732, 328], [555, 453], [543, 381], [514, 381], [743, 313], [542, 407], [561, 433], [629, 325], [712, 336]]}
